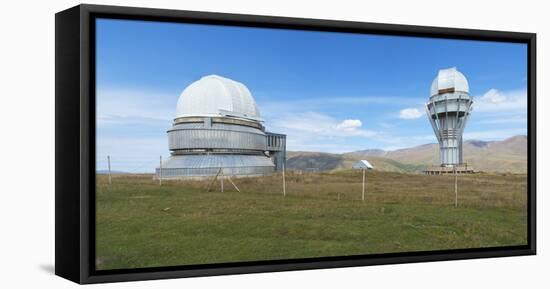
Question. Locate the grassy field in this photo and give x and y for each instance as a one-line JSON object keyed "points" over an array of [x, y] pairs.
{"points": [[140, 224]]}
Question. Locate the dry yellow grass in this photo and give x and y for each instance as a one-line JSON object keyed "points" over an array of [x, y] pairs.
{"points": [[477, 190]]}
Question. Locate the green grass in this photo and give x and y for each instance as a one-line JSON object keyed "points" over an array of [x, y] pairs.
{"points": [[140, 224]]}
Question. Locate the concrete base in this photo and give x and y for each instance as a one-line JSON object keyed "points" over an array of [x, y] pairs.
{"points": [[460, 169]]}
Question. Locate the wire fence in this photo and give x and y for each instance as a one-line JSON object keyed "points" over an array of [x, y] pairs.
{"points": [[309, 181], [355, 185], [126, 166]]}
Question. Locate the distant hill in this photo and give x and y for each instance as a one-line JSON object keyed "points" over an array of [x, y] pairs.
{"points": [[105, 172], [509, 155]]}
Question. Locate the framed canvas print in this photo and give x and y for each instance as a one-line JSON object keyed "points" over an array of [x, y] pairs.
{"points": [[194, 144]]}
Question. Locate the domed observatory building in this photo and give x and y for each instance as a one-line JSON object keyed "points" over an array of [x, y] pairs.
{"points": [[448, 110], [218, 126]]}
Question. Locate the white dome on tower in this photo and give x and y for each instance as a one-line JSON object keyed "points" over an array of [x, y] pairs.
{"points": [[215, 95], [449, 79]]}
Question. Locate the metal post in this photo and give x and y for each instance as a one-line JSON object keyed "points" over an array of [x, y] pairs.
{"points": [[284, 183], [446, 129], [160, 171], [456, 188], [363, 195], [221, 179], [213, 180], [109, 165], [231, 181]]}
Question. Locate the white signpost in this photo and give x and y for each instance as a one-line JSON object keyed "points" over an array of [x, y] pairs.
{"points": [[109, 165], [363, 195], [363, 165]]}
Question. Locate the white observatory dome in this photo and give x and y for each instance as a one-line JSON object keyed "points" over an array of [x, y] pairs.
{"points": [[214, 95], [449, 78]]}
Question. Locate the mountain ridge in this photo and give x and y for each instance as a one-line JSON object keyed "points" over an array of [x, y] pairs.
{"points": [[508, 155]]}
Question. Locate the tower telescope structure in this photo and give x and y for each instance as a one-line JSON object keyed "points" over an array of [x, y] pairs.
{"points": [[448, 110]]}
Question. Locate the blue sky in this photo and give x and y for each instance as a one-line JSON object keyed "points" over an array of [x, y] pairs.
{"points": [[331, 92]]}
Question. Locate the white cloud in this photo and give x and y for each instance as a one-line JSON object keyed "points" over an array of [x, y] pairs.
{"points": [[327, 103], [349, 124], [501, 101], [319, 124], [131, 153], [125, 106], [313, 131], [132, 127], [500, 108], [410, 113], [493, 96]]}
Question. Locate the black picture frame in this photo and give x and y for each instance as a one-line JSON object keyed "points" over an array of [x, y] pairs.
{"points": [[75, 142]]}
